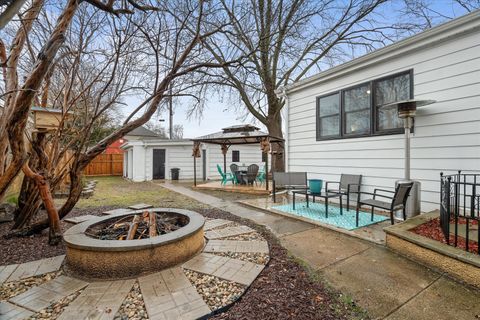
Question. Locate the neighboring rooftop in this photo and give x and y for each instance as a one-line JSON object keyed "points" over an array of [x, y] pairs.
{"points": [[142, 132]]}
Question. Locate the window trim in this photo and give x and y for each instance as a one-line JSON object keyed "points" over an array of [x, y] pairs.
{"points": [[374, 131]]}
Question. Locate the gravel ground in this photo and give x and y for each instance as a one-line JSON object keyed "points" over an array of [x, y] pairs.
{"points": [[255, 257], [14, 288], [53, 311], [24, 249], [133, 308], [216, 292], [247, 236]]}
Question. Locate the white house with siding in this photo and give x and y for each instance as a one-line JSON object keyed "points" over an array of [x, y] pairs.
{"points": [[334, 123], [148, 159]]}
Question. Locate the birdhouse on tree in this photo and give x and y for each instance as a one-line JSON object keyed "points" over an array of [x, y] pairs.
{"points": [[45, 119]]}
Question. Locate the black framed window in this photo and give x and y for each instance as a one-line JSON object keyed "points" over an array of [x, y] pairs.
{"points": [[328, 110], [387, 90], [235, 156], [359, 111]]}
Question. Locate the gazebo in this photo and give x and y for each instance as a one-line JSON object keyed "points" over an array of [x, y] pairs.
{"points": [[235, 135]]}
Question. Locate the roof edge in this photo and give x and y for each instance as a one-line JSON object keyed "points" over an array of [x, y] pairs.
{"points": [[436, 34]]}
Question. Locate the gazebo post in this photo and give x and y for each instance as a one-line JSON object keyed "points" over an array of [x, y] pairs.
{"points": [[266, 172], [224, 148], [194, 171]]}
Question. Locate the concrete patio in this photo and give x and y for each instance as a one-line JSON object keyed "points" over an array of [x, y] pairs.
{"points": [[387, 285]]}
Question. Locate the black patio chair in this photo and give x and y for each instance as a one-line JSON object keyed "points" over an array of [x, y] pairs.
{"points": [[396, 202], [287, 181], [234, 170], [349, 183], [252, 172]]}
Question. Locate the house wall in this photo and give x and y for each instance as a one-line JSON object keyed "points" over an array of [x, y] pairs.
{"points": [[447, 133]]}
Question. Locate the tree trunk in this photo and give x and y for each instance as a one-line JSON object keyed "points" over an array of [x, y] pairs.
{"points": [[274, 126], [55, 233]]}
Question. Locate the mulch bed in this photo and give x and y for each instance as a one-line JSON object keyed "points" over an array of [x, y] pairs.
{"points": [[25, 249], [284, 289], [432, 230]]}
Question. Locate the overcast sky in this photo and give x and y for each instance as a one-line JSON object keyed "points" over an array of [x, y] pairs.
{"points": [[218, 114]]}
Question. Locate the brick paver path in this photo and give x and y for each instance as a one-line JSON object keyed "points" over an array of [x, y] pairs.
{"points": [[117, 211], [15, 272], [215, 223], [243, 272], [80, 219], [100, 300], [236, 246], [38, 298], [167, 294], [170, 295], [227, 232], [140, 206], [10, 311]]}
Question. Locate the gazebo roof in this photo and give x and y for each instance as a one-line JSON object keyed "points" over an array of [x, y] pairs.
{"points": [[239, 134]]}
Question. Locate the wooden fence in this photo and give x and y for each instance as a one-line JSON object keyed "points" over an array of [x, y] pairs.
{"points": [[105, 165]]}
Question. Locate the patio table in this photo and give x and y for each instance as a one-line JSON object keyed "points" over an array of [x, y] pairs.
{"points": [[240, 174], [324, 195]]}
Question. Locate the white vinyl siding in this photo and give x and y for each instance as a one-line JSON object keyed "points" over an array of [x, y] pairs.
{"points": [[447, 133]]}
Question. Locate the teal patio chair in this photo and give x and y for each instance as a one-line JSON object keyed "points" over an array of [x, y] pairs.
{"points": [[225, 176], [261, 176]]}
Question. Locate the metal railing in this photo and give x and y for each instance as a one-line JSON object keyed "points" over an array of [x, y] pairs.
{"points": [[460, 201]]}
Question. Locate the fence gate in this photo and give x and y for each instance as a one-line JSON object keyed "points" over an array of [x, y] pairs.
{"points": [[105, 165]]}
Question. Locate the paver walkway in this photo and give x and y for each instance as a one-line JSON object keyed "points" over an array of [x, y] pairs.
{"points": [[387, 285], [227, 232], [38, 298], [236, 246], [14, 272], [215, 223], [243, 272], [170, 295], [80, 219], [100, 300]]}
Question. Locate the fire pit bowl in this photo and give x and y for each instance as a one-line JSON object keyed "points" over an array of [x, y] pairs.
{"points": [[92, 257]]}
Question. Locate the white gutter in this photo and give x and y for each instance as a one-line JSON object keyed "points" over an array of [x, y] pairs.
{"points": [[448, 30]]}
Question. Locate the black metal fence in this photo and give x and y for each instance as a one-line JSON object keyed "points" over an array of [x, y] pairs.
{"points": [[460, 201]]}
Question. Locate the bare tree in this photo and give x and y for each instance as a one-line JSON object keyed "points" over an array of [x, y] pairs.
{"points": [[167, 51], [285, 41]]}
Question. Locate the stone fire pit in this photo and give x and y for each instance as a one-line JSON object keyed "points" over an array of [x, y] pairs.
{"points": [[96, 258]]}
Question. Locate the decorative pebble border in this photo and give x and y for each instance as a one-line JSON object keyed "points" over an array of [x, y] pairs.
{"points": [[216, 292]]}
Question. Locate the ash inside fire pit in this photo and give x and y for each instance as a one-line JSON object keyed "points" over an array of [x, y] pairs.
{"points": [[145, 225]]}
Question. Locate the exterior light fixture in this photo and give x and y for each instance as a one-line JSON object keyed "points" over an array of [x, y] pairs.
{"points": [[407, 110]]}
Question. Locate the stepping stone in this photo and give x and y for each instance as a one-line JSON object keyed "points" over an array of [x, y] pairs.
{"points": [[117, 211], [10, 311], [236, 246], [100, 300], [80, 219], [140, 206], [25, 270], [227, 232], [6, 271], [215, 223], [38, 298], [50, 265], [235, 270], [170, 295]]}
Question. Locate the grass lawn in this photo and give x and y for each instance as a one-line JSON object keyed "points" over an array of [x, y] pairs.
{"points": [[119, 192]]}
